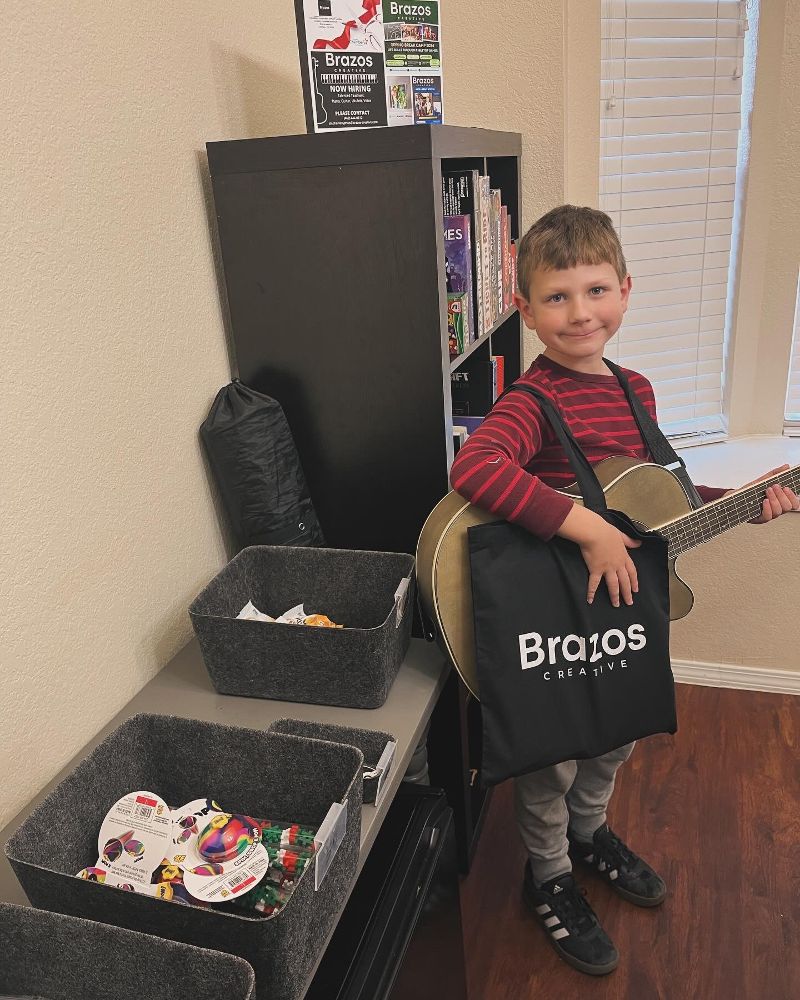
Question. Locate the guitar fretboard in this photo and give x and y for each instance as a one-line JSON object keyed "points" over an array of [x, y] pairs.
{"points": [[699, 526]]}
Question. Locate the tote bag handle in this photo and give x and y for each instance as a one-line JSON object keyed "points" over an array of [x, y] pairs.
{"points": [[588, 483], [659, 447]]}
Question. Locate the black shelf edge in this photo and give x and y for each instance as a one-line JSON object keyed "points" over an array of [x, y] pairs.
{"points": [[458, 361], [375, 145]]}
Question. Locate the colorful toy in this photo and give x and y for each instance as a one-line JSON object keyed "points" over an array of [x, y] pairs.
{"points": [[226, 837]]}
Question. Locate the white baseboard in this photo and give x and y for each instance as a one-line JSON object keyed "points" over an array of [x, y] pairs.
{"points": [[732, 675]]}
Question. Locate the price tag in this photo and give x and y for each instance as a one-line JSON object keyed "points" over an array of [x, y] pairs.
{"points": [[327, 840], [400, 598], [384, 767]]}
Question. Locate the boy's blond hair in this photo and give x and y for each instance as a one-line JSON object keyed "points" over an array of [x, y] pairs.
{"points": [[565, 237]]}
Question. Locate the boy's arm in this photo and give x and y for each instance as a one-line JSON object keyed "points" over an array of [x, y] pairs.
{"points": [[489, 469]]}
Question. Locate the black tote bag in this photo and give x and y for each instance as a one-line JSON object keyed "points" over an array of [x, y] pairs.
{"points": [[561, 679]]}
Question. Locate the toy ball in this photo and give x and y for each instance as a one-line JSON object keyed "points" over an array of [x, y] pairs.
{"points": [[167, 872], [164, 891], [113, 850], [126, 887], [188, 827], [135, 848], [92, 874], [226, 837]]}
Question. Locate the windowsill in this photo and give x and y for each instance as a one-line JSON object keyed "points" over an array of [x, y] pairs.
{"points": [[736, 461]]}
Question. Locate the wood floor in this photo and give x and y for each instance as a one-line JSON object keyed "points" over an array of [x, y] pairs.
{"points": [[716, 811]]}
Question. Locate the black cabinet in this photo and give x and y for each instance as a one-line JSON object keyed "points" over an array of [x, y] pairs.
{"points": [[333, 254]]}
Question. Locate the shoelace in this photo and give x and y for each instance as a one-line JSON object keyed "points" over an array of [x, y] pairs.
{"points": [[573, 910], [618, 853]]}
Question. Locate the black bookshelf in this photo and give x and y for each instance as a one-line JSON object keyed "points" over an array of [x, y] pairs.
{"points": [[332, 248]]}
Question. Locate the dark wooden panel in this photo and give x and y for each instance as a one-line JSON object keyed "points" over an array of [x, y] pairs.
{"points": [[715, 810], [333, 283], [406, 142]]}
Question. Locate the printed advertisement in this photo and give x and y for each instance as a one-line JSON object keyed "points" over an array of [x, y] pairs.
{"points": [[412, 34], [371, 63]]}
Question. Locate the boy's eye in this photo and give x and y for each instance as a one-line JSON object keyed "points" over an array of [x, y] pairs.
{"points": [[597, 290], [558, 297]]}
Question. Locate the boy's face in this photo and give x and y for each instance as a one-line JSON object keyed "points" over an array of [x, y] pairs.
{"points": [[575, 312]]}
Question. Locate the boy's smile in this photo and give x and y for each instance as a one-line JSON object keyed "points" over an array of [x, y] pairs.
{"points": [[575, 312]]}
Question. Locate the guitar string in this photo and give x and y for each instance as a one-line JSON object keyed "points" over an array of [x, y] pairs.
{"points": [[718, 517]]}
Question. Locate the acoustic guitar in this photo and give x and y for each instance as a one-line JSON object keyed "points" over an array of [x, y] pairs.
{"points": [[650, 495]]}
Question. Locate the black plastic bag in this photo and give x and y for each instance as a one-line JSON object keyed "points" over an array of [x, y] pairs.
{"points": [[257, 468]]}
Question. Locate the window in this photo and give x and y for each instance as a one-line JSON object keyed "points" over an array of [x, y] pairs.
{"points": [[793, 392], [671, 95]]}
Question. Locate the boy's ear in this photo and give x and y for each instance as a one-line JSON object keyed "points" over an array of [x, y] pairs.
{"points": [[524, 309], [625, 291]]}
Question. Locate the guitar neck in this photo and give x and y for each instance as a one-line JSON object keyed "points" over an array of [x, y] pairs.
{"points": [[699, 526]]}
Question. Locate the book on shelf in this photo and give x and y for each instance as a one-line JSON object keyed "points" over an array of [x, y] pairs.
{"points": [[505, 263], [471, 423], [485, 223], [457, 331], [459, 193], [498, 375], [458, 270], [471, 390]]}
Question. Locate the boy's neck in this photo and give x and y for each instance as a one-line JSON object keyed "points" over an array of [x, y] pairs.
{"points": [[585, 366]]}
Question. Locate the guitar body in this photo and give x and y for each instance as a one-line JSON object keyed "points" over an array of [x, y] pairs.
{"points": [[649, 494]]}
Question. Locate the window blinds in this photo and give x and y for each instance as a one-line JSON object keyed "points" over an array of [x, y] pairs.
{"points": [[793, 393], [670, 115]]}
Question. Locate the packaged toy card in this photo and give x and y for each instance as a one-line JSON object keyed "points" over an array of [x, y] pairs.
{"points": [[134, 837]]}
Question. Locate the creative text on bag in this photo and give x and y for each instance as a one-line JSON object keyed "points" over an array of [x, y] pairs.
{"points": [[577, 648]]}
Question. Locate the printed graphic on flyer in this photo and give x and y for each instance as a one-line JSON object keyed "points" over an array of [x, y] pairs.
{"points": [[412, 34], [346, 63], [427, 100], [399, 99]]}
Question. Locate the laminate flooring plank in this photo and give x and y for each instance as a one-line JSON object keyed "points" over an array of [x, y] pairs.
{"points": [[716, 810]]}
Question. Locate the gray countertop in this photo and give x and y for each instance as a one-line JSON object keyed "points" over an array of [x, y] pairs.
{"points": [[183, 688]]}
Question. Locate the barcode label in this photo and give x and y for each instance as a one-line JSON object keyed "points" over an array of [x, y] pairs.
{"points": [[239, 882], [142, 812]]}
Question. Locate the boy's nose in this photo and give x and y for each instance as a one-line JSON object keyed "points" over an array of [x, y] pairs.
{"points": [[579, 314]]}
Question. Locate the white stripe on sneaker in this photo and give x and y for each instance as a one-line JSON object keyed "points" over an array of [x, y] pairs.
{"points": [[543, 909], [560, 933], [613, 874], [551, 921]]}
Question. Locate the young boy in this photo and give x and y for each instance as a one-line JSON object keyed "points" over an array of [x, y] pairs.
{"points": [[574, 289]]}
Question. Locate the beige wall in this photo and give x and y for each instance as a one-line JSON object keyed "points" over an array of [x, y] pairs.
{"points": [[114, 341]]}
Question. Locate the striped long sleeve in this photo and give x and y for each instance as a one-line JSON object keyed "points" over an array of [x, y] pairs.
{"points": [[512, 465]]}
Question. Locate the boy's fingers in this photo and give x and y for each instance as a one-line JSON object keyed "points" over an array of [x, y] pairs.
{"points": [[612, 582], [774, 502], [625, 587], [634, 576], [594, 583]]}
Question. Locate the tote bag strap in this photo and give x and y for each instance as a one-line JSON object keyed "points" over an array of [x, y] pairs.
{"points": [[659, 447], [588, 483]]}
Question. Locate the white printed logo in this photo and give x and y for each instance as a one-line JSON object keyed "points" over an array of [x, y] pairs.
{"points": [[576, 648]]}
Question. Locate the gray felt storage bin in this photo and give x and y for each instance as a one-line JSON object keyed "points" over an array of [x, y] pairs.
{"points": [[261, 774], [370, 742], [353, 666], [65, 958]]}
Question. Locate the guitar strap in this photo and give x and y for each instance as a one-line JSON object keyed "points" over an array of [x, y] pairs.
{"points": [[657, 444]]}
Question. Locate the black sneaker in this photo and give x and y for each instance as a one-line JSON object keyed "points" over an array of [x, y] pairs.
{"points": [[617, 865], [571, 925]]}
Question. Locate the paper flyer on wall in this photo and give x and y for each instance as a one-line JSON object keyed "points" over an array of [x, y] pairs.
{"points": [[371, 63]]}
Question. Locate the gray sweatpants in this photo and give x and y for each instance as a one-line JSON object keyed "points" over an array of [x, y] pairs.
{"points": [[573, 793]]}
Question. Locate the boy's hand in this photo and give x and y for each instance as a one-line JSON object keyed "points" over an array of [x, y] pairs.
{"points": [[605, 551], [606, 557], [778, 499]]}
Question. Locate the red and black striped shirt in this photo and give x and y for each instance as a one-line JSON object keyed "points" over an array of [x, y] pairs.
{"points": [[512, 465]]}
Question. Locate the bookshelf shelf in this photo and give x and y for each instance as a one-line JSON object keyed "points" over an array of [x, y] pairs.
{"points": [[456, 363], [333, 257]]}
